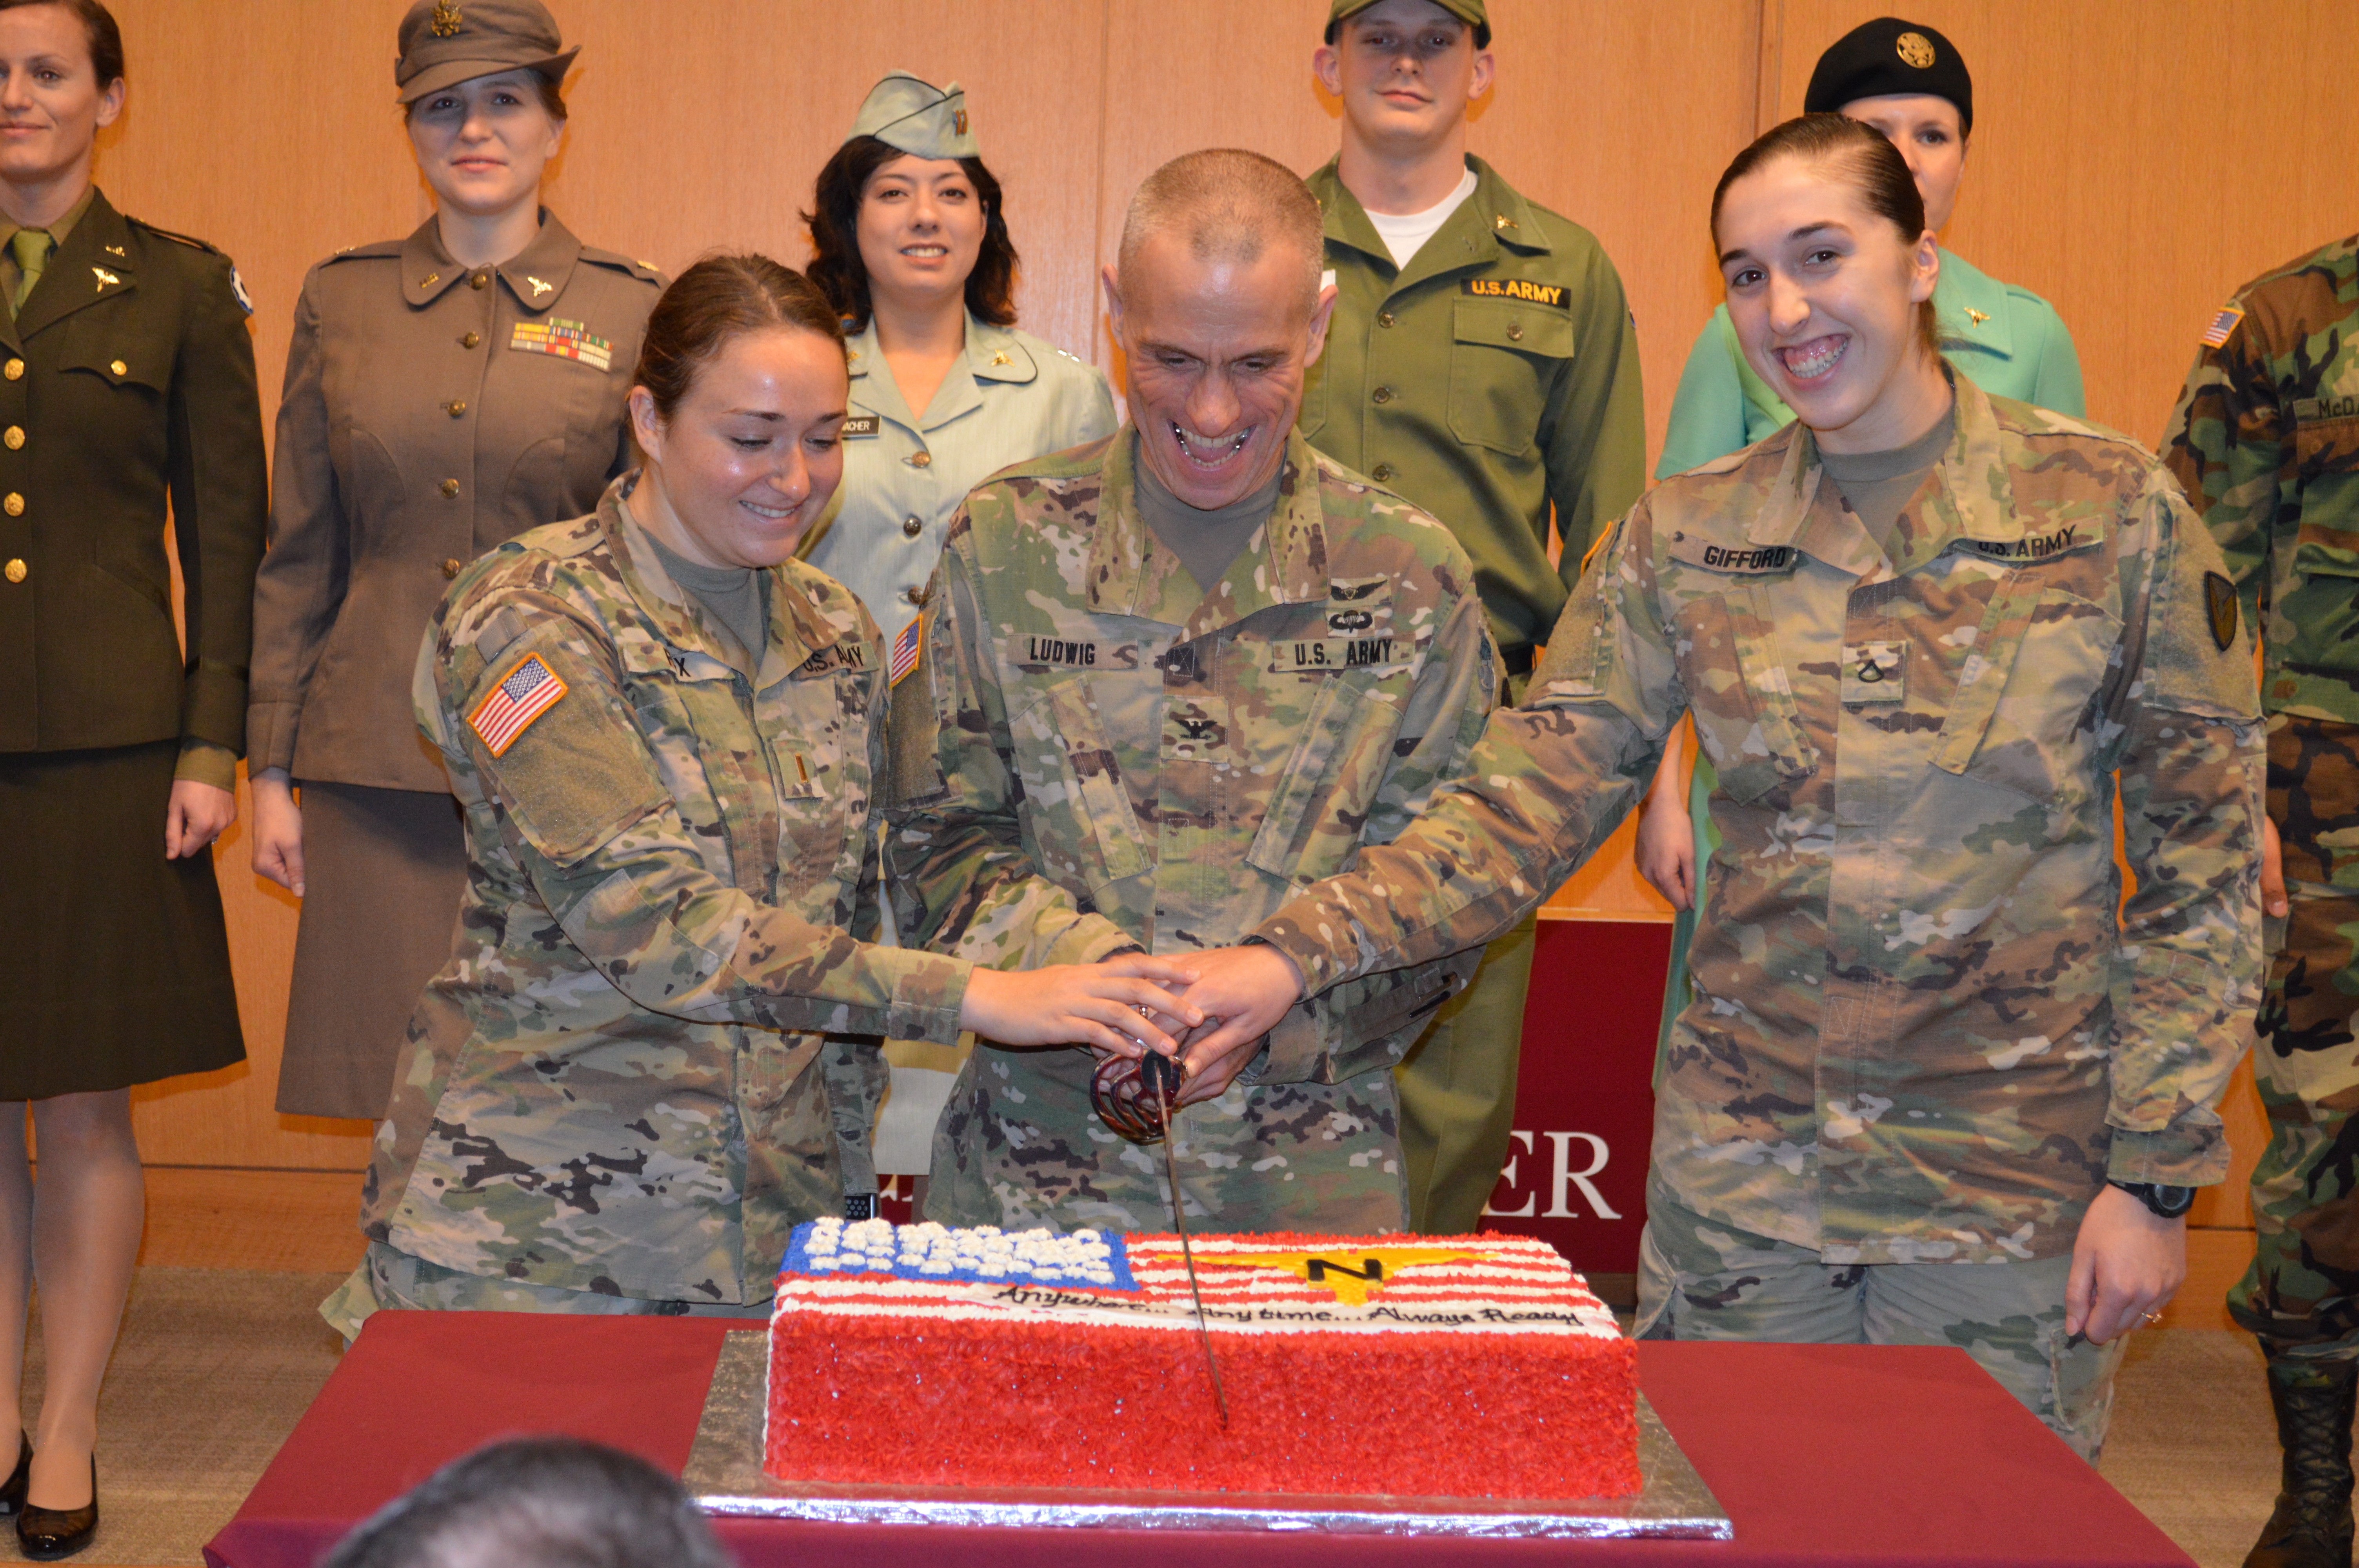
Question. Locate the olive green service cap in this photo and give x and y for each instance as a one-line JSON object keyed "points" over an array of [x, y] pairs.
{"points": [[920, 119], [445, 42], [1470, 12]]}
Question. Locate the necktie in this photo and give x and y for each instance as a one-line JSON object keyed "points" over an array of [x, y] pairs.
{"points": [[31, 248]]}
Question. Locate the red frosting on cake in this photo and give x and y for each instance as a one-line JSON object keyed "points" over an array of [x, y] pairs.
{"points": [[931, 1388]]}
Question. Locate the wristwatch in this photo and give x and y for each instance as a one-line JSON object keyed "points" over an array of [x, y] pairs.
{"points": [[2167, 1203]]}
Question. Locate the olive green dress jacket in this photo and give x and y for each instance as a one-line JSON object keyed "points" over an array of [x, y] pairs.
{"points": [[127, 381]]}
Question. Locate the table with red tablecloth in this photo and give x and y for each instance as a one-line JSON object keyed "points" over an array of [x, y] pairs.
{"points": [[1822, 1455]]}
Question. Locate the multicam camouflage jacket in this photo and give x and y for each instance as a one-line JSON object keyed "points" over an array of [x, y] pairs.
{"points": [[2265, 441], [615, 1085], [1113, 758], [1921, 1031]]}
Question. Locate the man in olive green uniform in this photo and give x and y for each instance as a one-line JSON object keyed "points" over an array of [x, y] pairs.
{"points": [[2265, 441], [1482, 362], [1168, 677], [1929, 1031]]}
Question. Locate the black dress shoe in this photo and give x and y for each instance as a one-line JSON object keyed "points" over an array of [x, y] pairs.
{"points": [[48, 1534], [11, 1496]]}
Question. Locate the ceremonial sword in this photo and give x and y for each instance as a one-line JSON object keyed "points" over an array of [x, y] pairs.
{"points": [[1163, 1080]]}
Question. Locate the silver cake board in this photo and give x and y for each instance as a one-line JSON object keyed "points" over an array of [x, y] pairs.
{"points": [[724, 1475]]}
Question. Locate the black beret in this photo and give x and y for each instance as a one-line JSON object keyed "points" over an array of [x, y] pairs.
{"points": [[1888, 57]]}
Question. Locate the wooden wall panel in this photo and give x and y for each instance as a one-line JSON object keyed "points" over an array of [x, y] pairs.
{"points": [[2133, 163]]}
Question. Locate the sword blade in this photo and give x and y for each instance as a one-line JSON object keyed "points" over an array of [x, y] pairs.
{"points": [[1188, 1256]]}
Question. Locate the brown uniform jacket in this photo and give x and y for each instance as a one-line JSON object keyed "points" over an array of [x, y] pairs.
{"points": [[126, 380], [432, 412]]}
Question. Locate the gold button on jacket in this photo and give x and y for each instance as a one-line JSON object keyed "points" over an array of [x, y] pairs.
{"points": [[117, 397], [428, 416]]}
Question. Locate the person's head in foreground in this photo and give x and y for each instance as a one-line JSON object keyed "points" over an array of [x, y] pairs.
{"points": [[537, 1502], [1830, 270], [1216, 302]]}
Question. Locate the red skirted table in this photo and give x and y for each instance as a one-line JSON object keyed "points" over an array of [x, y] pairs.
{"points": [[1822, 1455]]}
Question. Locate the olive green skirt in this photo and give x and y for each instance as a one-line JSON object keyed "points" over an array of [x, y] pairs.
{"points": [[118, 960]]}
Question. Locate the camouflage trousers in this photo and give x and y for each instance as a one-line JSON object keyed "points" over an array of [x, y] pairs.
{"points": [[2303, 1287], [1702, 1280], [390, 1280]]}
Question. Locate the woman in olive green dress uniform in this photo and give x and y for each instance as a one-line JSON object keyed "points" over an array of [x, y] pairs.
{"points": [[910, 239], [126, 382], [444, 392]]}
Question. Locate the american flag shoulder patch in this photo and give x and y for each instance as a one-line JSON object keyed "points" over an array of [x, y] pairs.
{"points": [[907, 649], [529, 689], [2223, 326]]}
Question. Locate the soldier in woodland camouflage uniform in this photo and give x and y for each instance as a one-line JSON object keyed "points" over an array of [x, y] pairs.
{"points": [[623, 1089], [2265, 441], [1922, 1033], [1117, 753]]}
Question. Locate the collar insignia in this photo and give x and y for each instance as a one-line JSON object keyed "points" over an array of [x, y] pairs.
{"points": [[1000, 358], [104, 277], [116, 251], [430, 280], [1976, 316], [1501, 220], [539, 287]]}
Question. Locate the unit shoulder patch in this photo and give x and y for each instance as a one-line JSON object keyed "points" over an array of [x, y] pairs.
{"points": [[2219, 607]]}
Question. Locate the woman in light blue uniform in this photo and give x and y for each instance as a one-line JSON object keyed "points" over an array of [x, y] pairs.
{"points": [[911, 243], [1908, 82]]}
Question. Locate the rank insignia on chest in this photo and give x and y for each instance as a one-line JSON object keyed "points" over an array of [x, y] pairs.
{"points": [[1875, 672], [860, 425], [565, 339], [2219, 607], [1518, 288], [529, 689]]}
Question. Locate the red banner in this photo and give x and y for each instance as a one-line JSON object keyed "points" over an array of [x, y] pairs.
{"points": [[1576, 1174]]}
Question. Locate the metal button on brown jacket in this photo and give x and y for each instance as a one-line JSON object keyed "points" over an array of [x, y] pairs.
{"points": [[128, 377], [432, 412]]}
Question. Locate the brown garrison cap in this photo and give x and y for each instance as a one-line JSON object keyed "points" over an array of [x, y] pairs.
{"points": [[444, 42], [1470, 12]]}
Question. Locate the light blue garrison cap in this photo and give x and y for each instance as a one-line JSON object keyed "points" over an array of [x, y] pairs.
{"points": [[917, 117]]}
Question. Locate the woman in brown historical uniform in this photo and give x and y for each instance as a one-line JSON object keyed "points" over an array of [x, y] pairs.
{"points": [[127, 381], [444, 392]]}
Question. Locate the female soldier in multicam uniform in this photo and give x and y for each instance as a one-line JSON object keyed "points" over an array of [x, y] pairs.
{"points": [[664, 731], [1926, 1030]]}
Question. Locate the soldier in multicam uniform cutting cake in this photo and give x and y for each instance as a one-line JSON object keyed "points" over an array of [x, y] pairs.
{"points": [[1927, 1032], [2266, 440], [617, 1095], [1166, 679]]}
